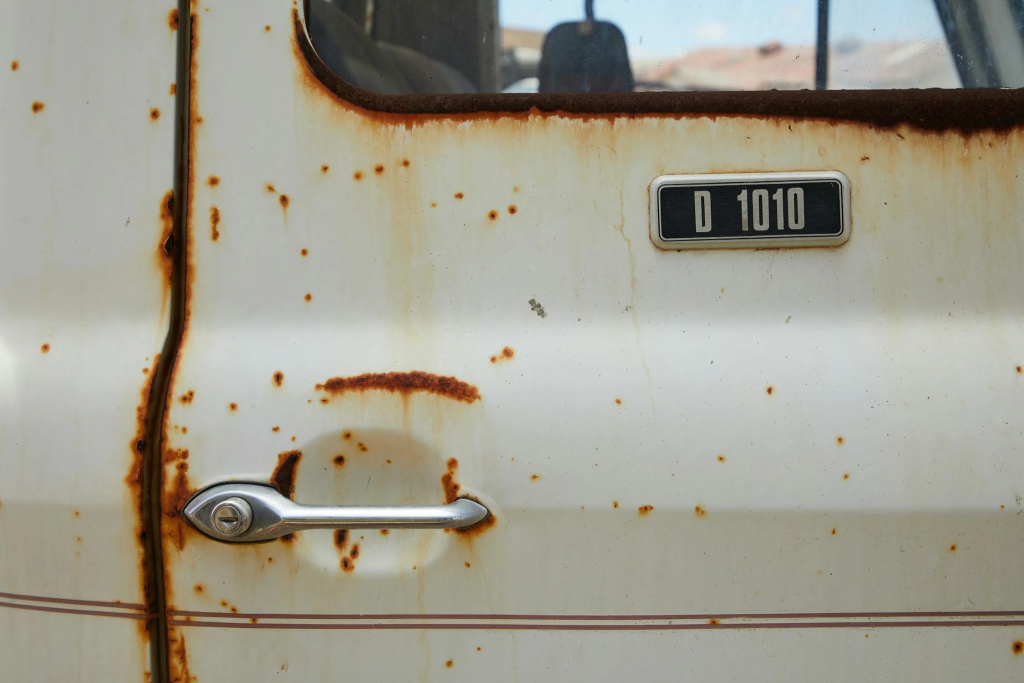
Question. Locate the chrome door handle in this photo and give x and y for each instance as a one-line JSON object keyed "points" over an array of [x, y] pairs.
{"points": [[250, 513]]}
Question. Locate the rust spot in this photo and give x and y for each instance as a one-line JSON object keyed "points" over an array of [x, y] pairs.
{"points": [[846, 475], [253, 620], [308, 297], [271, 189], [325, 168], [448, 483], [839, 440], [512, 209], [346, 435], [341, 538], [405, 163], [278, 378], [1020, 370], [233, 406], [362, 447], [618, 401], [275, 428], [493, 215], [1018, 647], [535, 477], [304, 252], [324, 400], [404, 383], [721, 458], [173, 90], [358, 175], [37, 107], [952, 548], [14, 65], [224, 603], [468, 565], [378, 169], [449, 664], [699, 511], [45, 348], [506, 354], [339, 460], [615, 503], [213, 181], [77, 514], [154, 113], [214, 222], [645, 510], [769, 390], [267, 28], [172, 19], [459, 195], [384, 532], [865, 158], [354, 552], [187, 396], [198, 588], [433, 205], [347, 565], [833, 531], [284, 201], [713, 621], [283, 477]]}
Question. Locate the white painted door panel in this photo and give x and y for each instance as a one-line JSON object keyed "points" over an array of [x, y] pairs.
{"points": [[726, 463]]}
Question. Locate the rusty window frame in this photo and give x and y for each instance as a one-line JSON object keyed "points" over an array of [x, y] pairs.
{"points": [[963, 110]]}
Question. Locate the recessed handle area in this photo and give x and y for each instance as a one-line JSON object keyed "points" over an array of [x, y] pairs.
{"points": [[251, 513]]}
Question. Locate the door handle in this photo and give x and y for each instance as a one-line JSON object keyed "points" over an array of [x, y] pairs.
{"points": [[251, 513]]}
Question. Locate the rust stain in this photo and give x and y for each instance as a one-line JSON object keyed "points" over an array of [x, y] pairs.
{"points": [[1018, 647], [451, 493], [187, 397], [720, 458], [865, 158], [384, 532], [405, 163], [325, 168], [404, 383], [713, 621], [346, 435], [535, 477], [172, 19], [769, 390], [233, 407], [284, 201], [493, 215], [952, 548], [468, 565], [699, 511], [178, 659], [304, 252], [615, 504], [840, 440], [278, 378], [339, 460], [833, 531], [645, 510], [358, 175], [271, 189], [267, 28], [154, 113], [512, 209], [378, 169], [45, 348], [173, 90], [506, 354], [449, 663], [347, 565], [362, 447], [308, 297], [341, 538], [618, 401], [1020, 370], [459, 195], [198, 588], [275, 428], [846, 475], [213, 181], [354, 552], [14, 65], [174, 527], [283, 477], [165, 252], [214, 221]]}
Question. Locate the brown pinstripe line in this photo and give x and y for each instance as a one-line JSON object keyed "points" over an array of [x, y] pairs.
{"points": [[592, 627], [597, 617], [69, 601], [87, 612]]}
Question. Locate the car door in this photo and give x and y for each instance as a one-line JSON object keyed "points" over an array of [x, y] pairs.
{"points": [[754, 463], [87, 195]]}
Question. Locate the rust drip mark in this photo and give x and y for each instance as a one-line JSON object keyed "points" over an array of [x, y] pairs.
{"points": [[134, 477], [769, 390], [404, 383], [378, 169], [283, 477], [213, 181], [14, 65], [339, 460], [645, 510], [840, 441], [507, 353], [187, 397], [459, 195], [178, 659], [341, 539], [512, 209], [278, 378], [1018, 647], [357, 176], [720, 458], [174, 527], [154, 113], [493, 215], [172, 19], [173, 90], [535, 477], [952, 548], [214, 222], [699, 511], [45, 348]]}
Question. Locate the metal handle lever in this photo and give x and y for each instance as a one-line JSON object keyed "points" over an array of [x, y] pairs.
{"points": [[250, 513]]}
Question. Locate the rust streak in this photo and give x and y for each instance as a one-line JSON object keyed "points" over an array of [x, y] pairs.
{"points": [[214, 222], [404, 383], [283, 477]]}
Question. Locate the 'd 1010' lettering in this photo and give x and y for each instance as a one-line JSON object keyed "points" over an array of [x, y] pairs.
{"points": [[754, 209]]}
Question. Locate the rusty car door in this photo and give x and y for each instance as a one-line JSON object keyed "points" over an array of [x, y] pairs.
{"points": [[772, 463], [87, 174]]}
